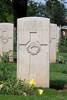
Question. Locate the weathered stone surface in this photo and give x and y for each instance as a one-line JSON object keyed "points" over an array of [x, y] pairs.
{"points": [[33, 50], [6, 38], [53, 33], [58, 38]]}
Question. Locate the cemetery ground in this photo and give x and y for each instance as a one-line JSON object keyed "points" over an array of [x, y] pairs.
{"points": [[58, 82]]}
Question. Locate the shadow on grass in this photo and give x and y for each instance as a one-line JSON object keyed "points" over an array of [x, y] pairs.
{"points": [[65, 72], [58, 84]]}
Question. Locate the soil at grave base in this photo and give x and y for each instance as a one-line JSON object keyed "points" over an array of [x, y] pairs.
{"points": [[59, 88]]}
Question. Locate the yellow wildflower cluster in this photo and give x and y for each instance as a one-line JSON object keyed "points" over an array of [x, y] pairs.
{"points": [[40, 91], [32, 82]]}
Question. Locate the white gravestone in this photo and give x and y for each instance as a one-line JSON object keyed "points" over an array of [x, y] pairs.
{"points": [[6, 39], [33, 50], [53, 33], [58, 38]]}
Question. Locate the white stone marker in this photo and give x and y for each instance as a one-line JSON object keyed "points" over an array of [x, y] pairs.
{"points": [[58, 38], [33, 50], [53, 33], [6, 39]]}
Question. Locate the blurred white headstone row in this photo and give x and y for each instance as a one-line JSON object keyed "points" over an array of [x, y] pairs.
{"points": [[6, 40], [37, 44]]}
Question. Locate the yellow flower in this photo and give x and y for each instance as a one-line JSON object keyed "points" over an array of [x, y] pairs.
{"points": [[1, 86], [32, 82], [40, 91]]}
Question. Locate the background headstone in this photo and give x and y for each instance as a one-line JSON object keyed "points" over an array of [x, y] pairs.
{"points": [[58, 38], [33, 50], [6, 39], [53, 33]]}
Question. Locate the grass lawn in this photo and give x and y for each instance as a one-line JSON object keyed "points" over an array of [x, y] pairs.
{"points": [[58, 79], [49, 94], [32, 98], [58, 75]]}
